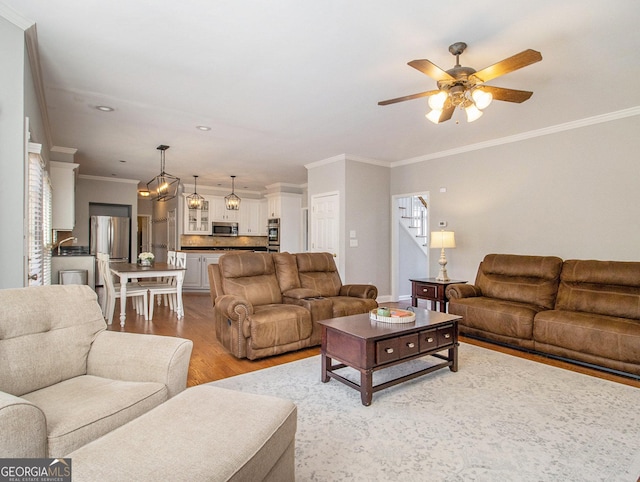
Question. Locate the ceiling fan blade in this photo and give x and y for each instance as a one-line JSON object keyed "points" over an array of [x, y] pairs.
{"points": [[515, 62], [408, 97], [508, 95], [446, 114], [431, 69]]}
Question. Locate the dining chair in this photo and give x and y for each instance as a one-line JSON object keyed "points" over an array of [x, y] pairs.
{"points": [[136, 292], [160, 282], [169, 288]]}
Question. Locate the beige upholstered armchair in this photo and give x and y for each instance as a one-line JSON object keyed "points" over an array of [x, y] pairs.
{"points": [[65, 380], [250, 319]]}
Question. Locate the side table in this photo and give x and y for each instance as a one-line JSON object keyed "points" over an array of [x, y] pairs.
{"points": [[432, 290]]}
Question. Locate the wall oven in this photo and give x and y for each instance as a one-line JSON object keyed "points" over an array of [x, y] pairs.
{"points": [[273, 235], [224, 229]]}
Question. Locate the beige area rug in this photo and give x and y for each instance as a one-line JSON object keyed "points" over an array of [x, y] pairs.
{"points": [[499, 418]]}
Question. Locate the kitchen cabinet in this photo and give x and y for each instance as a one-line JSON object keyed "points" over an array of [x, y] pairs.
{"points": [[262, 231], [63, 187], [252, 218], [197, 221], [287, 207], [219, 210], [196, 277]]}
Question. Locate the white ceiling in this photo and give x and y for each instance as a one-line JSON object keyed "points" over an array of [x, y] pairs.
{"points": [[284, 83]]}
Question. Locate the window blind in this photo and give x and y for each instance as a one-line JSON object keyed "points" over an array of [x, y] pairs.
{"points": [[36, 213]]}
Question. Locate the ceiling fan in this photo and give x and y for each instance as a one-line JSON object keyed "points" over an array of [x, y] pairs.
{"points": [[465, 87]]}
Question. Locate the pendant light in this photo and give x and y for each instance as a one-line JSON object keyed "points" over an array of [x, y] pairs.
{"points": [[164, 186], [195, 200], [232, 201]]}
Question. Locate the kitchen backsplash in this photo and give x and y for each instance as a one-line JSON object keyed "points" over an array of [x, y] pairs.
{"points": [[222, 241]]}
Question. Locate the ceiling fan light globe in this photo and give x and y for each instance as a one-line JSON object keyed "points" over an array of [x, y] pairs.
{"points": [[434, 116], [482, 98], [473, 113], [436, 101]]}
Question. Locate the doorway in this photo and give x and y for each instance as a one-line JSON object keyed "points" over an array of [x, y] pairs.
{"points": [[409, 242], [144, 234]]}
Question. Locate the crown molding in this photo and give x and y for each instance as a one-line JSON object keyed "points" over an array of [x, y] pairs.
{"points": [[567, 126], [31, 40], [14, 17], [347, 157], [108, 179]]}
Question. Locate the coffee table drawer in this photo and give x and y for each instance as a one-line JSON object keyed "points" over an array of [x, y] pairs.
{"points": [[387, 350], [445, 335], [409, 345], [428, 340]]}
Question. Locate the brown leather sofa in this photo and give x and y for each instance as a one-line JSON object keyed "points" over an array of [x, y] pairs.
{"points": [[585, 311], [268, 303]]}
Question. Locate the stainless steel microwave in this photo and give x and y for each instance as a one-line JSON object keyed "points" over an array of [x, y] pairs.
{"points": [[224, 229]]}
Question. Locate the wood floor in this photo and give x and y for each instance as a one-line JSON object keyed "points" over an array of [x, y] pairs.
{"points": [[210, 360]]}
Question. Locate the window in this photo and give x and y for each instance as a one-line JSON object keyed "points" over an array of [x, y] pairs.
{"points": [[39, 213]]}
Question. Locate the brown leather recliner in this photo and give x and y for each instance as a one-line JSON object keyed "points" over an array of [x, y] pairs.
{"points": [[251, 320], [312, 280]]}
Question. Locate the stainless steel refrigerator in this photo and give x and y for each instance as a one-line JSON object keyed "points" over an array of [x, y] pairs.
{"points": [[111, 235]]}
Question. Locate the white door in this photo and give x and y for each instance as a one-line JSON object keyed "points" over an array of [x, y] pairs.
{"points": [[325, 226]]}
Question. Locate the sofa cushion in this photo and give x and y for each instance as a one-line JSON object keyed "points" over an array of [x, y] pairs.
{"points": [[505, 318], [278, 324], [610, 288], [318, 271], [347, 305], [608, 337], [286, 271], [251, 276], [526, 279], [35, 322], [84, 408]]}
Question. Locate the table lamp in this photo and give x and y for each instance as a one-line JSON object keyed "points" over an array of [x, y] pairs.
{"points": [[442, 239]]}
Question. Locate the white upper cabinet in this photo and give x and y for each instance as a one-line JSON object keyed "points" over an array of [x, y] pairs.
{"points": [[63, 186], [252, 220], [197, 221], [221, 213]]}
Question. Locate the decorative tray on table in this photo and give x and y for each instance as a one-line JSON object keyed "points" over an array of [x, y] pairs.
{"points": [[394, 315]]}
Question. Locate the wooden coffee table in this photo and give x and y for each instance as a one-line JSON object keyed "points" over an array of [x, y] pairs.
{"points": [[367, 346]]}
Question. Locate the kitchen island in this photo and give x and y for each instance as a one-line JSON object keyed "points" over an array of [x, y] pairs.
{"points": [[73, 262]]}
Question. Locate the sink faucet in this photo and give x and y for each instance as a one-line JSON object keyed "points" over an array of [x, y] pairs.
{"points": [[64, 241]]}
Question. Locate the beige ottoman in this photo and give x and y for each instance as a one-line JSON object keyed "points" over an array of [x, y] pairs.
{"points": [[204, 433]]}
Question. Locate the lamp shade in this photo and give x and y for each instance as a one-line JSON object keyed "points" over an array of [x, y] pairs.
{"points": [[442, 239]]}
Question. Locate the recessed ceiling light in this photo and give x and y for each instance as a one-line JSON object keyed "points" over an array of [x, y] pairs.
{"points": [[105, 108], [203, 128]]}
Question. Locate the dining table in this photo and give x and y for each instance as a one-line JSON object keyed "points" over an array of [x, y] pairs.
{"points": [[128, 271]]}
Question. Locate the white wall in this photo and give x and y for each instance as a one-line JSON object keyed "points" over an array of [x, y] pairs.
{"points": [[364, 208], [12, 74], [367, 212], [573, 194]]}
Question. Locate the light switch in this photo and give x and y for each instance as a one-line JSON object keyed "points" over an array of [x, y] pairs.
{"points": [[353, 243], [352, 233]]}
